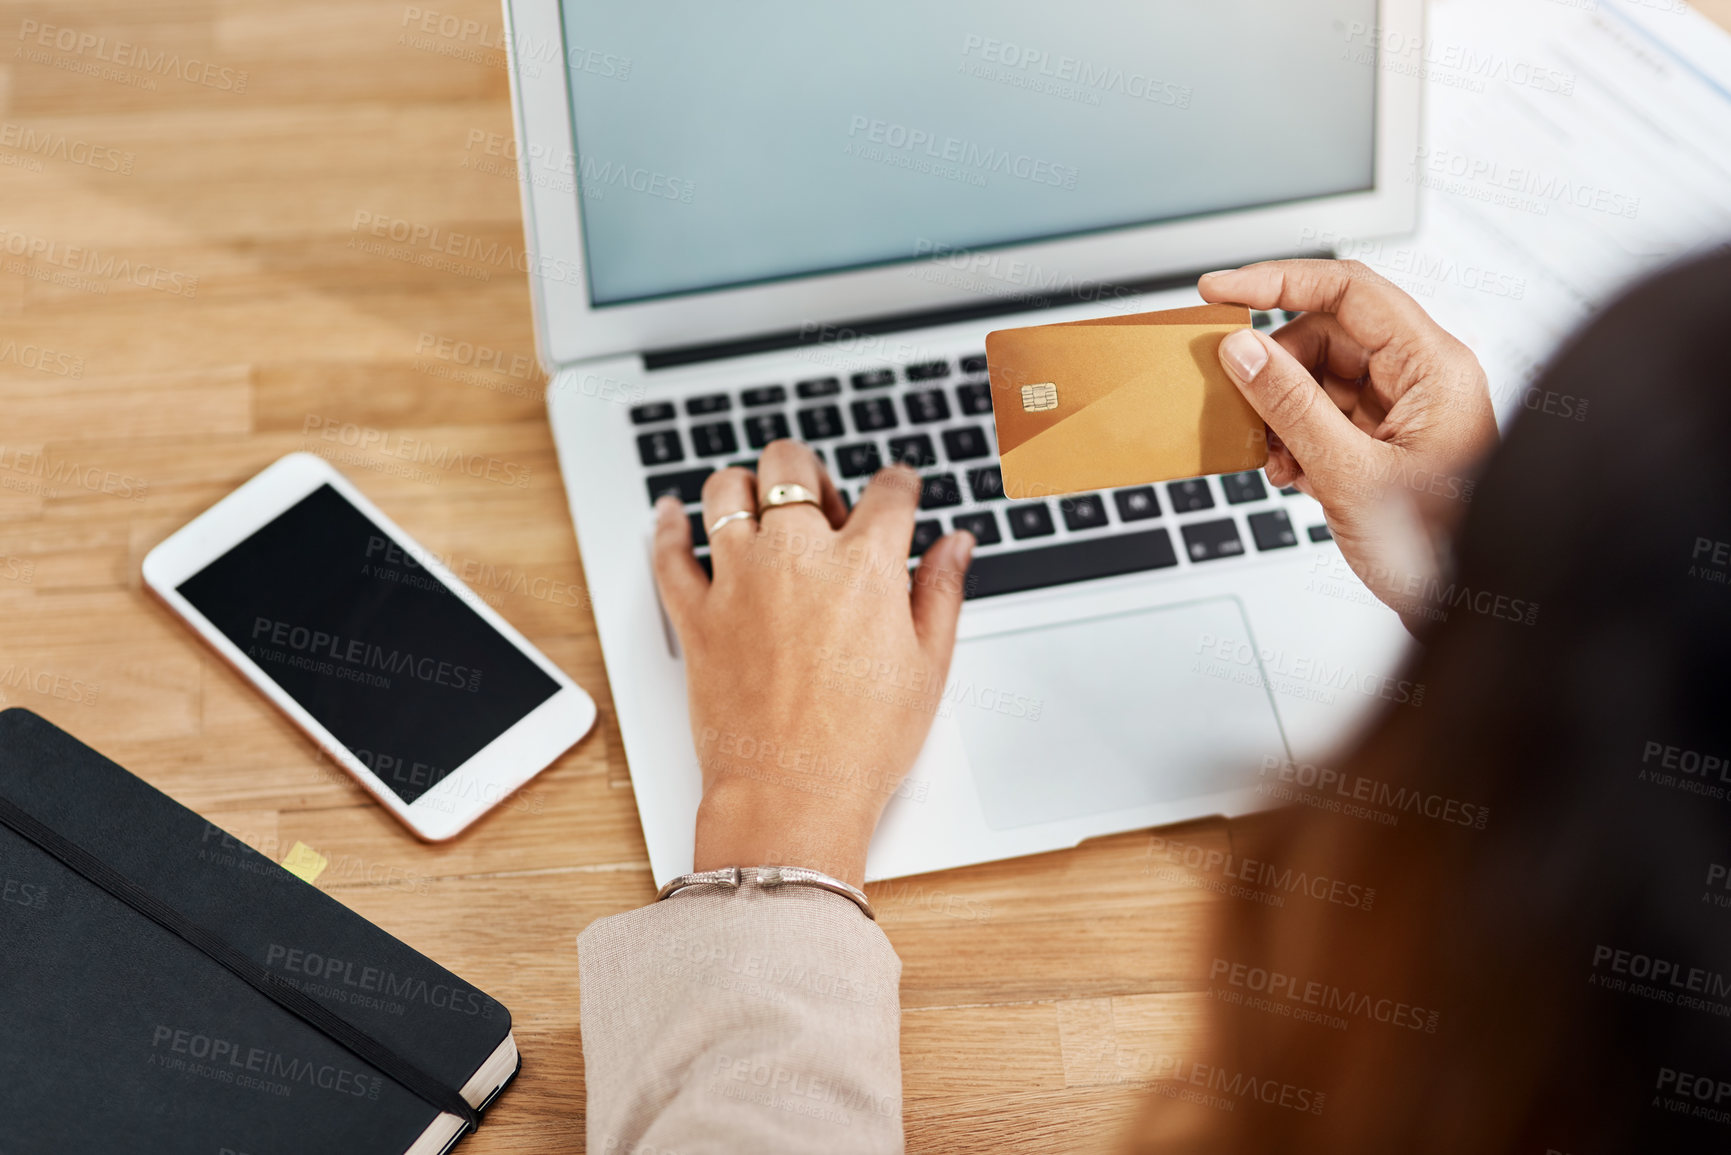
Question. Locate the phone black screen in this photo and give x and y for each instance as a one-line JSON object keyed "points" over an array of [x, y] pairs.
{"points": [[401, 670]]}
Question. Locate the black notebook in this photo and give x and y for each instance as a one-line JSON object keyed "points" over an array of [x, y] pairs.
{"points": [[177, 992]]}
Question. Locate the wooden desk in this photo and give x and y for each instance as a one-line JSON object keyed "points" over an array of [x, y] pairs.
{"points": [[231, 306]]}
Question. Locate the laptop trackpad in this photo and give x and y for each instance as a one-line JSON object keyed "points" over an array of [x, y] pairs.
{"points": [[1115, 712]]}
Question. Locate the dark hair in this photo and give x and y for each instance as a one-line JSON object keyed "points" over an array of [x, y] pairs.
{"points": [[1559, 980]]}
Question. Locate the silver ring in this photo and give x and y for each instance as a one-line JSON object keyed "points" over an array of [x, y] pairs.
{"points": [[788, 493], [738, 515]]}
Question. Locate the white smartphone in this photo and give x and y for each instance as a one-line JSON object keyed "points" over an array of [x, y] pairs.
{"points": [[370, 644]]}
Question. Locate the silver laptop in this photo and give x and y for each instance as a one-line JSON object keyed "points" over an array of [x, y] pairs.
{"points": [[781, 219]]}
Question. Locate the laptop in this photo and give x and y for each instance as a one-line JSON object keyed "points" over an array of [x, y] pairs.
{"points": [[784, 219]]}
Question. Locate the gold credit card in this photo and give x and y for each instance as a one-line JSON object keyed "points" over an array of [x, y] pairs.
{"points": [[1120, 401]]}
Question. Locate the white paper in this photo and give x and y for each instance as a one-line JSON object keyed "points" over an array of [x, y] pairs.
{"points": [[1569, 148]]}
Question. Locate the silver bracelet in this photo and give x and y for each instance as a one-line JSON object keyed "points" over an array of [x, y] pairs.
{"points": [[769, 876]]}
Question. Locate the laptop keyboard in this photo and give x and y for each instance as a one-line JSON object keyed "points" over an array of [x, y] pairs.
{"points": [[936, 416]]}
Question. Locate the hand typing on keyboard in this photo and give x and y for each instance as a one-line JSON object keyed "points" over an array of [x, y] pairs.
{"points": [[814, 670], [1368, 401]]}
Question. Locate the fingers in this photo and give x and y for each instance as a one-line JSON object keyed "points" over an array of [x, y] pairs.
{"points": [[1282, 470], [1317, 341], [729, 491], [1321, 439], [1371, 309], [937, 598], [680, 579], [887, 508], [834, 508], [1340, 365], [788, 462]]}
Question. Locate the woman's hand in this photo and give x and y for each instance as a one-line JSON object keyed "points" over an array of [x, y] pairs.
{"points": [[813, 672], [1366, 399]]}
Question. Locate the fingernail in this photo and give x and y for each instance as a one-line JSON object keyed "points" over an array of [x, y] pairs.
{"points": [[1218, 273], [1243, 355], [666, 504], [964, 548]]}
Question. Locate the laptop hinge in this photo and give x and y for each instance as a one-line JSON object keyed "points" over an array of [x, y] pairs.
{"points": [[814, 333]]}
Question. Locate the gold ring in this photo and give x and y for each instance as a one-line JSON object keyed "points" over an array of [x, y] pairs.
{"points": [[788, 493], [739, 515]]}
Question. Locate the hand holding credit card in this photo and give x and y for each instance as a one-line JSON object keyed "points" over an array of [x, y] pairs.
{"points": [[1120, 401]]}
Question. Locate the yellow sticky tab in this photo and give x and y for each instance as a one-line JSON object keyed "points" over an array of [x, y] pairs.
{"points": [[304, 862]]}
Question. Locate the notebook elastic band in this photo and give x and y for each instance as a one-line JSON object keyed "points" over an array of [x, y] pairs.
{"points": [[272, 986]]}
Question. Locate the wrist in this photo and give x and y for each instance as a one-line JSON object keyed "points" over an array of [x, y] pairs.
{"points": [[740, 824]]}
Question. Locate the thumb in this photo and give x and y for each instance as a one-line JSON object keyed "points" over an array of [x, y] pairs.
{"points": [[937, 597], [1323, 440]]}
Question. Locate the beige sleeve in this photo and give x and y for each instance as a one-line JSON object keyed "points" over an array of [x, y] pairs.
{"points": [[741, 1021]]}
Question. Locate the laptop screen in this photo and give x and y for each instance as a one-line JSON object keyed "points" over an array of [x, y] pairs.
{"points": [[720, 145]]}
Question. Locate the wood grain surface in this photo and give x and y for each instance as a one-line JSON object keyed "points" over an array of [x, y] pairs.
{"points": [[185, 296]]}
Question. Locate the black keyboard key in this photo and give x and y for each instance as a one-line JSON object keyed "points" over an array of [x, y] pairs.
{"points": [[874, 379], [986, 483], [983, 525], [926, 406], [708, 566], [1289, 491], [709, 403], [699, 535], [873, 414], [686, 485], [928, 370], [818, 387], [975, 398], [1272, 529], [749, 463], [763, 395], [1189, 495], [1320, 533], [939, 490], [762, 428], [1261, 320], [974, 364], [1030, 520], [925, 533], [660, 448], [817, 424], [652, 412], [966, 443], [914, 450], [1207, 540], [1137, 504], [1242, 487], [1073, 561], [1084, 512], [858, 460], [714, 440]]}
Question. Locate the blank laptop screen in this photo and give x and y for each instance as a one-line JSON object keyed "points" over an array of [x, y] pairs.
{"points": [[720, 145]]}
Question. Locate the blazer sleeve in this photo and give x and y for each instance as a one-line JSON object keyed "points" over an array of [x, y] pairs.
{"points": [[747, 1021]]}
